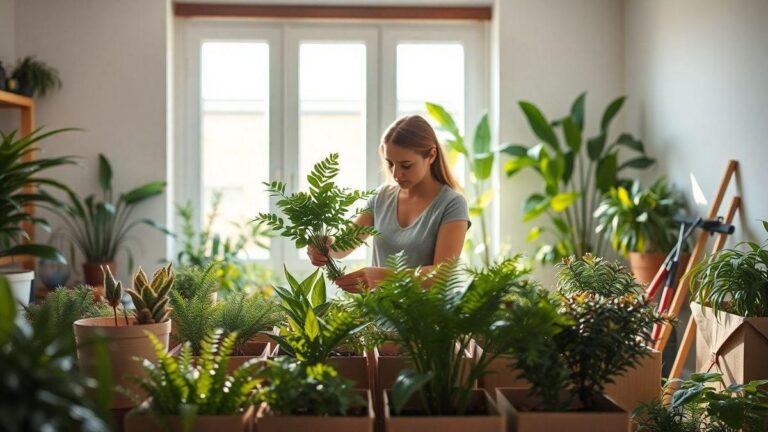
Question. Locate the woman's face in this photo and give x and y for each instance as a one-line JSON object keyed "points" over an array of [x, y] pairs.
{"points": [[408, 167]]}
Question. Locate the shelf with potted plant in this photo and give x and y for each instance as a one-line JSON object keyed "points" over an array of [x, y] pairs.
{"points": [[730, 306]]}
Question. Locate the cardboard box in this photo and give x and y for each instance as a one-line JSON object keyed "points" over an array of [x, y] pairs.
{"points": [[639, 385]]}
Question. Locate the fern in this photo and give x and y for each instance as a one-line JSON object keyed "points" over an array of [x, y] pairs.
{"points": [[312, 217], [246, 316], [62, 307], [592, 274]]}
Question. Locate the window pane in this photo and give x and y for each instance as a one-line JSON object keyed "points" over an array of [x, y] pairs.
{"points": [[235, 134], [332, 97], [432, 72]]}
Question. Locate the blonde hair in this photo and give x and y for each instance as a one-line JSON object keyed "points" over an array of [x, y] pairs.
{"points": [[414, 133]]}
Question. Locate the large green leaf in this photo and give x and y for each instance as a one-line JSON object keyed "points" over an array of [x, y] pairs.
{"points": [[311, 326], [7, 310], [482, 142], [569, 160], [533, 206], [442, 117], [318, 292], [144, 192], [457, 145], [539, 124], [572, 134], [514, 149], [610, 112], [607, 169], [577, 110], [514, 165], [36, 250], [407, 383], [629, 141], [641, 162], [595, 146], [533, 234], [483, 165], [105, 175], [563, 200]]}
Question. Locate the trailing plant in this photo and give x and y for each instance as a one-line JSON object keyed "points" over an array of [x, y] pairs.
{"points": [[734, 280], [35, 77], [99, 226], [150, 298], [697, 406], [479, 159], [247, 315], [315, 325], [429, 323], [314, 217], [177, 385], [63, 306], [575, 175], [227, 256], [42, 388], [293, 388], [19, 178], [638, 220]]}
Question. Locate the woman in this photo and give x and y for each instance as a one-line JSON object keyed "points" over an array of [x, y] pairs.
{"points": [[421, 214]]}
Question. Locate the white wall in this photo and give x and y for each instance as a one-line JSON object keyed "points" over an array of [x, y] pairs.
{"points": [[112, 57], [698, 73], [8, 119], [547, 52]]}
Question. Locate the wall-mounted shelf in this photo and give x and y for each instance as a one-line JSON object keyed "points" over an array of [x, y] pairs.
{"points": [[26, 107]]}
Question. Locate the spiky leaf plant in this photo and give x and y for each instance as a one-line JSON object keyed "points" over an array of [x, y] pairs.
{"points": [[246, 315], [113, 292], [315, 326], [292, 388], [177, 384], [151, 298], [323, 212], [429, 322], [63, 306]]}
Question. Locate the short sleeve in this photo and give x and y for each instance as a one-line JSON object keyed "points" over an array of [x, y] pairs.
{"points": [[456, 209], [370, 206]]}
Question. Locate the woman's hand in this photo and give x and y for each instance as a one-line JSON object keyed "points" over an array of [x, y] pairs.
{"points": [[363, 279], [316, 257]]}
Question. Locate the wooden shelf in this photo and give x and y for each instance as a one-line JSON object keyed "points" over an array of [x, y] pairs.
{"points": [[26, 105]]}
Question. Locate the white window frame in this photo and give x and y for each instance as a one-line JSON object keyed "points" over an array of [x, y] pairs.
{"points": [[284, 37]]}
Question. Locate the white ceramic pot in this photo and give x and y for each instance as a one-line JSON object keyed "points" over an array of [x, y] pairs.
{"points": [[21, 284]]}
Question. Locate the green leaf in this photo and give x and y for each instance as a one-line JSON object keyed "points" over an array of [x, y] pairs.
{"points": [[627, 140], [765, 226], [514, 149], [7, 310], [610, 112], [595, 146], [572, 134], [539, 124], [318, 292], [311, 326], [457, 145], [36, 250], [561, 225], [144, 192], [577, 110], [533, 206], [568, 158], [533, 234], [482, 142], [563, 200], [105, 174], [442, 117], [407, 383], [514, 165], [606, 172], [483, 164], [641, 162], [730, 411]]}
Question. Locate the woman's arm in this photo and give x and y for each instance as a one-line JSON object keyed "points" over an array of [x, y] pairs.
{"points": [[318, 259]]}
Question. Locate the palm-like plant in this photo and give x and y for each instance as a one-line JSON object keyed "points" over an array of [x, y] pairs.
{"points": [[428, 323], [315, 216], [100, 227], [19, 176], [35, 76], [638, 220]]}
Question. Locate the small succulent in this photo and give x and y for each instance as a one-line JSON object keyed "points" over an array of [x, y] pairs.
{"points": [[113, 292], [151, 298]]}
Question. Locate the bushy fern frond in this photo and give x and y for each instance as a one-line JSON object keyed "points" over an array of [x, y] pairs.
{"points": [[592, 274]]}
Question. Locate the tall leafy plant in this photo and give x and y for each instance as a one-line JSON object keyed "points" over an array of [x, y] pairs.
{"points": [[576, 171], [20, 175], [99, 226], [314, 217], [479, 158]]}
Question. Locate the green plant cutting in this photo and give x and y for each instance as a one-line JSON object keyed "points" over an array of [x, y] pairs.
{"points": [[319, 215]]}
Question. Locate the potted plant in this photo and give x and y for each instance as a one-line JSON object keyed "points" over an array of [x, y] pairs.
{"points": [[99, 226], [602, 333], [695, 405], [730, 293], [201, 396], [35, 77], [20, 175], [575, 172], [63, 306], [42, 387], [434, 327], [314, 217], [640, 224], [297, 396], [127, 338]]}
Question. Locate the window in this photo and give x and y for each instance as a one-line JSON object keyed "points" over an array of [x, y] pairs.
{"points": [[266, 100]]}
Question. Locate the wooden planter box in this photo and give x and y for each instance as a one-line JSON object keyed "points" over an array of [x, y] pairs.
{"points": [[122, 344], [499, 373], [639, 385], [514, 403], [733, 345], [266, 421], [353, 368], [493, 421], [136, 421]]}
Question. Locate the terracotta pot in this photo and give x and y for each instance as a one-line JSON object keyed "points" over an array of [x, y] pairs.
{"points": [[493, 421], [137, 421], [645, 265], [93, 275], [266, 421], [518, 408], [122, 343]]}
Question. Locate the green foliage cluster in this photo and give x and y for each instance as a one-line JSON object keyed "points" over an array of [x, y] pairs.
{"points": [[151, 298], [430, 323], [734, 280], [315, 326], [314, 217], [640, 220], [294, 388], [595, 275], [179, 386], [35, 76], [227, 257], [63, 306], [17, 176], [192, 281], [575, 176], [696, 406], [42, 388], [247, 315]]}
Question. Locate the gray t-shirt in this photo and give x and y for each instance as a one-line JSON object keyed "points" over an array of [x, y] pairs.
{"points": [[417, 240]]}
